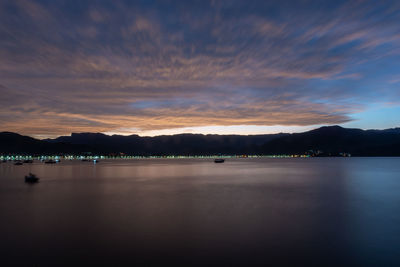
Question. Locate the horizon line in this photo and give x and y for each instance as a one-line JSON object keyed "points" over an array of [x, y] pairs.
{"points": [[44, 137]]}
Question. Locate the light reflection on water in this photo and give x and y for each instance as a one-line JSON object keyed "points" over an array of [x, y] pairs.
{"points": [[325, 211]]}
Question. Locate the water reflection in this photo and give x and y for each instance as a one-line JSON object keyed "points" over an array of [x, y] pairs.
{"points": [[246, 211]]}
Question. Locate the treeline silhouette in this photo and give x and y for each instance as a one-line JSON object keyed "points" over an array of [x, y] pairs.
{"points": [[324, 141]]}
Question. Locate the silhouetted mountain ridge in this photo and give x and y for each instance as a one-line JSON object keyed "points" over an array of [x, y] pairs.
{"points": [[324, 141], [180, 144], [333, 140], [13, 143]]}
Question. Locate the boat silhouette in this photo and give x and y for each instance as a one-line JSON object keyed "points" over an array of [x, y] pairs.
{"points": [[31, 178]]}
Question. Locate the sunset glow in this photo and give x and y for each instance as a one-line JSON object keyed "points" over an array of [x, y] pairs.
{"points": [[162, 67]]}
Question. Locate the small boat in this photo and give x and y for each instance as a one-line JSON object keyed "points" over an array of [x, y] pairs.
{"points": [[50, 161], [28, 161], [18, 163], [95, 161], [219, 160], [31, 178]]}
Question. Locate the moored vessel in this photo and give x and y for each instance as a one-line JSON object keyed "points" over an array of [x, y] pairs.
{"points": [[31, 178]]}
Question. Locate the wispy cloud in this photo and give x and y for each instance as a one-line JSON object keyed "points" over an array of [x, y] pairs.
{"points": [[68, 67]]}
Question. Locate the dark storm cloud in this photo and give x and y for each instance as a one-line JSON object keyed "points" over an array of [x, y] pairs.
{"points": [[102, 65]]}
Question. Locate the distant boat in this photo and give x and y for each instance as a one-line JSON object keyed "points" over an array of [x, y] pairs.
{"points": [[219, 160], [28, 161], [50, 161], [31, 178], [95, 161], [18, 163]]}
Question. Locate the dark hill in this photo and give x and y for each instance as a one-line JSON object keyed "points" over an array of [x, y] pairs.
{"points": [[335, 139], [324, 141], [181, 144], [12, 143]]}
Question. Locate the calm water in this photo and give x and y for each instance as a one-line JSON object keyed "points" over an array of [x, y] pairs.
{"points": [[322, 211]]}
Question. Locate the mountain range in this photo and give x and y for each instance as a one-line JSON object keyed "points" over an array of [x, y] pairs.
{"points": [[324, 141]]}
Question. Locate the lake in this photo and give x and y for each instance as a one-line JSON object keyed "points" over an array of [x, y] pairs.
{"points": [[188, 212]]}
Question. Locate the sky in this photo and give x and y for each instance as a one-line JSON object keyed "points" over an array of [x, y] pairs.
{"points": [[226, 67]]}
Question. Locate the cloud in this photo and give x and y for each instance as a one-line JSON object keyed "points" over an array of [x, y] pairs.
{"points": [[154, 66]]}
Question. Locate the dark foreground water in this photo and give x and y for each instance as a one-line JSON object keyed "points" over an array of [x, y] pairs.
{"points": [[315, 211]]}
